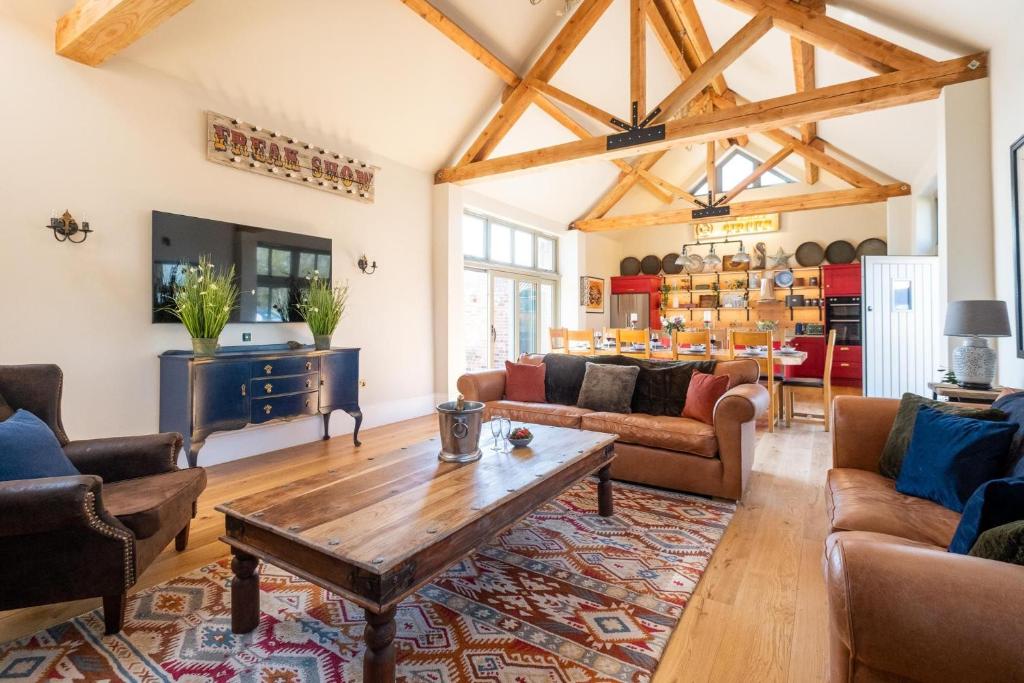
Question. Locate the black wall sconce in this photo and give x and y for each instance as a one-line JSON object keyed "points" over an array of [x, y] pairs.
{"points": [[66, 228], [365, 265]]}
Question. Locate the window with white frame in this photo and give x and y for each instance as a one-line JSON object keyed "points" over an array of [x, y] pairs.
{"points": [[510, 290], [734, 167]]}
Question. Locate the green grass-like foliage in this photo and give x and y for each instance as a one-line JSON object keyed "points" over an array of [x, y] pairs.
{"points": [[204, 299], [322, 305]]}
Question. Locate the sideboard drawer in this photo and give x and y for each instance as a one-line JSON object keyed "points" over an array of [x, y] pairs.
{"points": [[275, 367], [274, 386], [276, 408]]}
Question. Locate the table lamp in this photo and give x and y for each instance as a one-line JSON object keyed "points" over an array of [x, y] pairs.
{"points": [[974, 363]]}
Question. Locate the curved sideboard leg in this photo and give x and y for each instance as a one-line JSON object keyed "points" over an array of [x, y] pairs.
{"points": [[327, 424], [357, 415], [193, 452]]}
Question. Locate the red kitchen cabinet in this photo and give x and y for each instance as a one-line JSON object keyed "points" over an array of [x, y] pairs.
{"points": [[841, 279], [814, 366]]}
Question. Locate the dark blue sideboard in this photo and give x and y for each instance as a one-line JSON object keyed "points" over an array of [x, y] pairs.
{"points": [[244, 385]]}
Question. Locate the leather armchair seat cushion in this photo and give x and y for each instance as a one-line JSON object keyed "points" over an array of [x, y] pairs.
{"points": [[859, 500], [145, 504], [551, 414], [680, 434]]}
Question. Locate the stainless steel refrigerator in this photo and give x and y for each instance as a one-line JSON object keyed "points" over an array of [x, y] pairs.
{"points": [[631, 310]]}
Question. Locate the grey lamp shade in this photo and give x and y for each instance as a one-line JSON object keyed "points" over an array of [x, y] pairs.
{"points": [[977, 319]]}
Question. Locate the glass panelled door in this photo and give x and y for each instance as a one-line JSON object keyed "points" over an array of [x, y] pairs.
{"points": [[503, 319], [526, 316], [505, 315], [476, 333]]}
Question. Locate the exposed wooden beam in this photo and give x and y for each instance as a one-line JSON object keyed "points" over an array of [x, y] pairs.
{"points": [[851, 43], [804, 79], [579, 24], [95, 30], [819, 200], [766, 165], [625, 182], [670, 37], [454, 32], [638, 56], [596, 113], [869, 94], [698, 36], [671, 188], [714, 66], [710, 169]]}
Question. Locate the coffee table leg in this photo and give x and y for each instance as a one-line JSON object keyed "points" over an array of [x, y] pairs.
{"points": [[379, 658], [245, 592], [605, 502]]}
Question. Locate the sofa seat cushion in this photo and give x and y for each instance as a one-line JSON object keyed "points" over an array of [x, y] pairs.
{"points": [[680, 434], [859, 500], [551, 414], [143, 504]]}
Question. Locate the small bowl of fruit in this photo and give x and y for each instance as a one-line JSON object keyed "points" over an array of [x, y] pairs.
{"points": [[520, 437]]}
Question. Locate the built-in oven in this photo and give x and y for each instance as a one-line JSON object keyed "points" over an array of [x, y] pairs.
{"points": [[843, 314]]}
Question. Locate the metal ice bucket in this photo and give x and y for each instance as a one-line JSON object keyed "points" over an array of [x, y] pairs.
{"points": [[459, 422]]}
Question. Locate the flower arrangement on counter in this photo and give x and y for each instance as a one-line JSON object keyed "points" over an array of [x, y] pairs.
{"points": [[673, 325], [322, 306], [203, 300]]}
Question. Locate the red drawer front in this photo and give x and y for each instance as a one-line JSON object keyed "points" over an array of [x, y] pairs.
{"points": [[814, 366], [846, 370], [847, 354]]}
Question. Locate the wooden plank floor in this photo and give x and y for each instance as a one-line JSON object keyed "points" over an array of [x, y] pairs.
{"points": [[758, 613]]}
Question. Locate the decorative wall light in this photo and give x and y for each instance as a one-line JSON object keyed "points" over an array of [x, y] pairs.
{"points": [[67, 229], [365, 266]]}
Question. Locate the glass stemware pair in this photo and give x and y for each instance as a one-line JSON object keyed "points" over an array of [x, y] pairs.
{"points": [[501, 426]]}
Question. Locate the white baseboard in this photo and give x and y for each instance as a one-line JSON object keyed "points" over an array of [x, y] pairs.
{"points": [[227, 446]]}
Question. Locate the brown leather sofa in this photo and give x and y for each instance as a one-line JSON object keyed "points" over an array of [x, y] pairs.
{"points": [[902, 608], [671, 452], [69, 538]]}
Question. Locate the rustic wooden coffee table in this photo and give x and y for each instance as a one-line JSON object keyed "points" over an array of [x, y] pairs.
{"points": [[374, 529]]}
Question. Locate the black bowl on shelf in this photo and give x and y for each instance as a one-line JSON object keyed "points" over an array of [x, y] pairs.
{"points": [[629, 266]]}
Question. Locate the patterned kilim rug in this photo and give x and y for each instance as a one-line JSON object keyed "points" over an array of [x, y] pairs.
{"points": [[565, 595]]}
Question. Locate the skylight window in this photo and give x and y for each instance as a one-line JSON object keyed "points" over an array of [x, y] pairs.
{"points": [[734, 167]]}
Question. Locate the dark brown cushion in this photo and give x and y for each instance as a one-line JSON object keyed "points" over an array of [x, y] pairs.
{"points": [[5, 410], [903, 427], [608, 388], [144, 504], [1003, 543]]}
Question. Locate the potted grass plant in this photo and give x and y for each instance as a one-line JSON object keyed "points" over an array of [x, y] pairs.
{"points": [[203, 301], [322, 306]]}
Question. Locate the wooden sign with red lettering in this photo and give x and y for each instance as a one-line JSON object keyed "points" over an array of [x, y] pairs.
{"points": [[234, 143]]}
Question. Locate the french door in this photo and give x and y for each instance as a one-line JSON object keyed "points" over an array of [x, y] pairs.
{"points": [[505, 314]]}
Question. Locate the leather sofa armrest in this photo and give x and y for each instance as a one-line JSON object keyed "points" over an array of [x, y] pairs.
{"points": [[126, 457], [34, 506], [902, 611], [484, 386], [743, 403], [860, 428], [734, 419]]}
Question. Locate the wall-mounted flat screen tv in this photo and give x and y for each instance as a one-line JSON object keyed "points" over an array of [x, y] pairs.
{"points": [[271, 265]]}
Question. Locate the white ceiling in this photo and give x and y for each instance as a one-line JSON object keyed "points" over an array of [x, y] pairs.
{"points": [[377, 74]]}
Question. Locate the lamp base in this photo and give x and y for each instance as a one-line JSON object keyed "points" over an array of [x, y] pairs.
{"points": [[974, 364]]}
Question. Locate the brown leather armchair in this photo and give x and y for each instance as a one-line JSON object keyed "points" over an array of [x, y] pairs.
{"points": [[69, 538]]}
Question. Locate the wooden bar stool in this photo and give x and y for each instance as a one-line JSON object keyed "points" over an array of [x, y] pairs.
{"points": [[824, 383], [683, 340], [766, 363]]}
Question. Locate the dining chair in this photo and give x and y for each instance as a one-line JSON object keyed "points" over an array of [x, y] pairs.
{"points": [[685, 340], [609, 334], [824, 383], [664, 350], [746, 340], [579, 342], [559, 337], [630, 339]]}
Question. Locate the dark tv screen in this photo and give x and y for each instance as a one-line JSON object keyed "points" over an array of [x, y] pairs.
{"points": [[271, 266]]}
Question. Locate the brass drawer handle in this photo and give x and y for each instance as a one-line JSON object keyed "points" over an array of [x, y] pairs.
{"points": [[307, 402], [844, 348], [309, 383], [268, 387], [268, 368], [844, 365], [267, 409], [243, 390], [309, 365]]}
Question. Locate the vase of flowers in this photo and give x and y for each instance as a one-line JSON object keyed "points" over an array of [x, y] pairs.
{"points": [[203, 300], [322, 306]]}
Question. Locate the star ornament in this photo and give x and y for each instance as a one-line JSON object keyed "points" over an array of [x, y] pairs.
{"points": [[779, 259]]}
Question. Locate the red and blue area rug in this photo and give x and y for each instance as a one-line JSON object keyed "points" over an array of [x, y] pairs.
{"points": [[565, 595]]}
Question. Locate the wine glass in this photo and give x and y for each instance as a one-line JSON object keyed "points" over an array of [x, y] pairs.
{"points": [[599, 334], [506, 430], [495, 424]]}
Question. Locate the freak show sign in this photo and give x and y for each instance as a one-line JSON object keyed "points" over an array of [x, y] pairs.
{"points": [[235, 143]]}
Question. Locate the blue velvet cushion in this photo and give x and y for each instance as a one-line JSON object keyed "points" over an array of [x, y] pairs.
{"points": [[995, 503], [950, 456], [1013, 406], [29, 450]]}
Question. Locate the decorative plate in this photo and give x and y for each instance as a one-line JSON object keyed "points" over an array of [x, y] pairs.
{"points": [[650, 265], [629, 266], [694, 264], [810, 254], [872, 247], [784, 278], [669, 265], [840, 251]]}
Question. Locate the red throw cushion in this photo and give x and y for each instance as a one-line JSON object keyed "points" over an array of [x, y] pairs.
{"points": [[702, 395], [524, 382]]}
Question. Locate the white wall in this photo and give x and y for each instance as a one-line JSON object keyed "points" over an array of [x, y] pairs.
{"points": [[111, 145]]}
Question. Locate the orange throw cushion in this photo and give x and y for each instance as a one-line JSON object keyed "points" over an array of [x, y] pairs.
{"points": [[702, 395], [524, 382]]}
